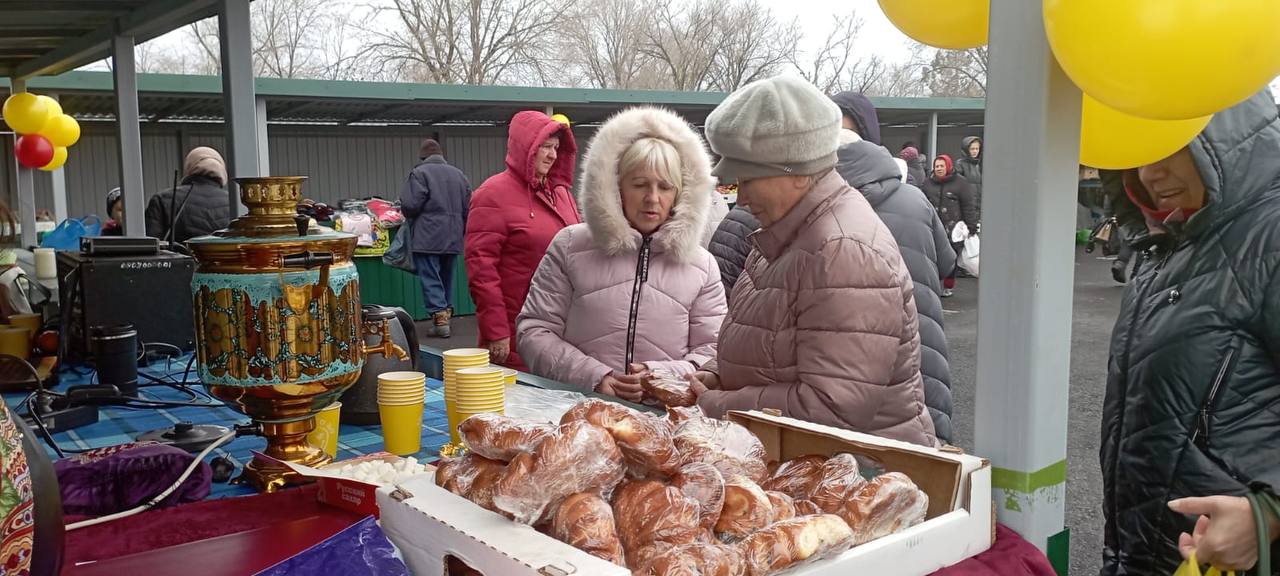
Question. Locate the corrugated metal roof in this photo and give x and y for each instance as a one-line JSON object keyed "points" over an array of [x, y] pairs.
{"points": [[170, 97]]}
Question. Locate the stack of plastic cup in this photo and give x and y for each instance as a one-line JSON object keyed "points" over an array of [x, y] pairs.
{"points": [[455, 360], [400, 401], [509, 376], [480, 390]]}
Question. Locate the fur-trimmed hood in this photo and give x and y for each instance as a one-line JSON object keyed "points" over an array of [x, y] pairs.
{"points": [[682, 234]]}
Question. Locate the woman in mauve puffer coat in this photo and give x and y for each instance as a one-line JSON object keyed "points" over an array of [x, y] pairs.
{"points": [[632, 289]]}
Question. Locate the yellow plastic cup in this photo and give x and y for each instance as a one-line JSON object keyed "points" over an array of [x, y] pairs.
{"points": [[509, 376], [401, 427], [325, 434]]}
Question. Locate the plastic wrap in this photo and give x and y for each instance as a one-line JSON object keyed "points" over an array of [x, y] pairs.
{"points": [[499, 437], [678, 414], [704, 484], [728, 446], [473, 477], [839, 479], [533, 404], [887, 504], [646, 441], [585, 521], [359, 550], [668, 389], [579, 457], [701, 559], [649, 512], [794, 542], [746, 509], [796, 477], [806, 508], [783, 507]]}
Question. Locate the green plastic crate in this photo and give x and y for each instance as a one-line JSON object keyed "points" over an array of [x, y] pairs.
{"points": [[390, 286]]}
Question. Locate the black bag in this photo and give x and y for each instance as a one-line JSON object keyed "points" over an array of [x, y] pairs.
{"points": [[399, 254]]}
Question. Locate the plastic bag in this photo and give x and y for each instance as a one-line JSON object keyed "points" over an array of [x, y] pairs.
{"points": [[968, 257], [794, 542], [473, 477], [500, 437], [888, 504], [746, 509], [668, 389], [839, 478], [646, 441], [579, 457], [959, 232], [585, 521], [1191, 567], [399, 254], [649, 512], [700, 558], [797, 477], [704, 484], [67, 235], [360, 549], [728, 446]]}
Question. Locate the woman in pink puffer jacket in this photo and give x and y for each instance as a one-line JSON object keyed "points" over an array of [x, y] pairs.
{"points": [[632, 289]]}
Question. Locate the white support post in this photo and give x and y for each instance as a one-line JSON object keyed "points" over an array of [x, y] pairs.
{"points": [[933, 140], [1025, 298], [238, 95], [124, 72], [264, 149], [58, 179], [550, 110], [26, 187]]}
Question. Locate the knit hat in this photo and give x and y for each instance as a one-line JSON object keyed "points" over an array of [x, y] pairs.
{"points": [[776, 127], [204, 161], [429, 148], [909, 154]]}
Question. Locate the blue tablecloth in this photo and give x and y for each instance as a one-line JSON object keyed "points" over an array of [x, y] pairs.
{"points": [[117, 425]]}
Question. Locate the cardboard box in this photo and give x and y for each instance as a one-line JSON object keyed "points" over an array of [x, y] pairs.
{"points": [[340, 492], [430, 524]]}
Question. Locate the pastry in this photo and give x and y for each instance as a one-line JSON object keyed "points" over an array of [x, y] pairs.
{"points": [[806, 508], [701, 559], [782, 506], [746, 509], [585, 521], [796, 477], [839, 478], [649, 512], [645, 440], [704, 484], [669, 390], [793, 542], [728, 446], [499, 437], [887, 504], [578, 457]]}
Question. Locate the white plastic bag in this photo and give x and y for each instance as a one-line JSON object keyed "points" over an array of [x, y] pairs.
{"points": [[959, 232], [968, 259]]}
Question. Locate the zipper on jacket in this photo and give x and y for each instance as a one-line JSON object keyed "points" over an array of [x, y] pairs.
{"points": [[642, 276], [1200, 436]]}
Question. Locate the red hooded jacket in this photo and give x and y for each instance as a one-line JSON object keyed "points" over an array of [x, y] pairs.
{"points": [[512, 220]]}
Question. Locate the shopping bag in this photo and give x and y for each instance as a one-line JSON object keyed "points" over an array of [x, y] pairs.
{"points": [[67, 235], [959, 232], [968, 259], [1191, 567], [399, 254]]}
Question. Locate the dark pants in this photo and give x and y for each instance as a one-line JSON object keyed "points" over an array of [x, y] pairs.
{"points": [[436, 272]]}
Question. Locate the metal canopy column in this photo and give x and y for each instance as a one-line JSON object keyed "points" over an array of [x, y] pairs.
{"points": [[1024, 312], [238, 95], [264, 149], [933, 141], [125, 76], [26, 187]]}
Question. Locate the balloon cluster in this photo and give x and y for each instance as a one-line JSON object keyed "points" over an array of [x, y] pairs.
{"points": [[44, 131], [1153, 71]]}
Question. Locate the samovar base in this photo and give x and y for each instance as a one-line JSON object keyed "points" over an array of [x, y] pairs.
{"points": [[287, 442]]}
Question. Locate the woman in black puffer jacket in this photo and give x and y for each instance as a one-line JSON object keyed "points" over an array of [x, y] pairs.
{"points": [[1192, 405]]}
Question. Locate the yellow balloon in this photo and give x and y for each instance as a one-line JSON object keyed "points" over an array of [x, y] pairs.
{"points": [[59, 158], [61, 130], [561, 118], [25, 113], [1113, 140], [1166, 59], [950, 24], [55, 109]]}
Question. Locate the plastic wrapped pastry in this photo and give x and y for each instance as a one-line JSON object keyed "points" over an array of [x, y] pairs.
{"points": [[585, 521], [796, 477], [887, 504], [806, 508], [782, 506], [668, 389], [645, 440], [678, 414], [793, 542], [499, 437], [579, 457], [704, 484], [728, 446], [458, 475], [746, 509], [839, 479], [649, 512], [701, 559]]}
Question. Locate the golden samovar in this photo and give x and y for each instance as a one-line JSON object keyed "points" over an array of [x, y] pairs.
{"points": [[279, 334]]}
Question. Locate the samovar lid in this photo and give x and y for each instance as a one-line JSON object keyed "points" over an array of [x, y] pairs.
{"points": [[272, 203]]}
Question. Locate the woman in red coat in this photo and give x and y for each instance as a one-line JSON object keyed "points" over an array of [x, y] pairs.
{"points": [[513, 217]]}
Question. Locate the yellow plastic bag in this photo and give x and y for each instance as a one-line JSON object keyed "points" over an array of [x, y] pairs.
{"points": [[1191, 567]]}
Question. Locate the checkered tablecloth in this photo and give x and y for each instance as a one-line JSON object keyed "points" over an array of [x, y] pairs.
{"points": [[117, 425]]}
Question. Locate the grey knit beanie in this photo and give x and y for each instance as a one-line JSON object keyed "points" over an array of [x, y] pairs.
{"points": [[775, 127]]}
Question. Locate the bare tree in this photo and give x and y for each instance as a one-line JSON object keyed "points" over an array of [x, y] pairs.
{"points": [[605, 39], [759, 46], [958, 73], [686, 41], [286, 37], [828, 67]]}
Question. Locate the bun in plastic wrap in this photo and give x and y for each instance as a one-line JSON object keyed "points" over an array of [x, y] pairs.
{"points": [[806, 508], [793, 542], [839, 478], [499, 437], [585, 521], [645, 440], [796, 477], [668, 389], [701, 559], [678, 414], [649, 512], [887, 504], [782, 506], [728, 446], [704, 484], [579, 457], [746, 509]]}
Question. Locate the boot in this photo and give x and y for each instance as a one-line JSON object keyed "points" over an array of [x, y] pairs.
{"points": [[441, 324]]}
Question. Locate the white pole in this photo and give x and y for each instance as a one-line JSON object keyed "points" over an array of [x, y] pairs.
{"points": [[26, 187], [264, 149], [129, 132]]}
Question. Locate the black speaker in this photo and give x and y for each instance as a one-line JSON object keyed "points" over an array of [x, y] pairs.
{"points": [[151, 292]]}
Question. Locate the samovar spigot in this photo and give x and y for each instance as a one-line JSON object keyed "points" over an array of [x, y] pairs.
{"points": [[380, 325]]}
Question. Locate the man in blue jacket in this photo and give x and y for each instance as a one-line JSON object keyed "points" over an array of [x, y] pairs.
{"points": [[434, 201]]}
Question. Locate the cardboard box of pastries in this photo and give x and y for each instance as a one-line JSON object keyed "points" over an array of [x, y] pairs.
{"points": [[433, 527]]}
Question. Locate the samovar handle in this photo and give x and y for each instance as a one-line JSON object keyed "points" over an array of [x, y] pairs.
{"points": [[387, 347]]}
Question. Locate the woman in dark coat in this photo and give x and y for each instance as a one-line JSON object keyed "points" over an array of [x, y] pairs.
{"points": [[730, 246], [1192, 410], [970, 166], [955, 200]]}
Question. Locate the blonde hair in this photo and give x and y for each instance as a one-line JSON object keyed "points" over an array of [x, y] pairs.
{"points": [[654, 154]]}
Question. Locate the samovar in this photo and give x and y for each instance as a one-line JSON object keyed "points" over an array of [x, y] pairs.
{"points": [[279, 332]]}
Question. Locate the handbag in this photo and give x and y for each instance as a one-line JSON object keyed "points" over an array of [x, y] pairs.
{"points": [[67, 235], [398, 254]]}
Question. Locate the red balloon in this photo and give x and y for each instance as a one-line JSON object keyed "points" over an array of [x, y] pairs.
{"points": [[33, 150]]}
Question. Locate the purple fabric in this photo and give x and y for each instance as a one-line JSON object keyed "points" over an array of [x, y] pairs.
{"points": [[360, 550], [118, 478], [1010, 555]]}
